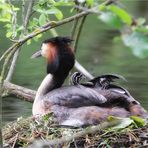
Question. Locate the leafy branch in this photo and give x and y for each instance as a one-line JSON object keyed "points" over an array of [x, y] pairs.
{"points": [[25, 20], [44, 28], [10, 51]]}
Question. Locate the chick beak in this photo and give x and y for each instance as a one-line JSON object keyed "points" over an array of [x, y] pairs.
{"points": [[36, 54]]}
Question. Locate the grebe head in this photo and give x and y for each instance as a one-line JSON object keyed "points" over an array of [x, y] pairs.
{"points": [[59, 55], [50, 45]]}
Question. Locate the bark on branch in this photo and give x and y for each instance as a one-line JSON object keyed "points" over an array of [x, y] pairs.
{"points": [[19, 91]]}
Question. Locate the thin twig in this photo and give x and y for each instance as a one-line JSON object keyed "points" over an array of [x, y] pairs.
{"points": [[81, 69], [6, 62], [95, 9], [8, 50], [91, 10], [75, 22], [14, 19], [74, 28], [23, 13], [75, 34], [25, 20], [79, 30], [13, 65], [16, 137], [28, 14]]}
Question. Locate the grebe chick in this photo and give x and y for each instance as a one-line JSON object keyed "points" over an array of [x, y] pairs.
{"points": [[76, 77], [104, 85]]}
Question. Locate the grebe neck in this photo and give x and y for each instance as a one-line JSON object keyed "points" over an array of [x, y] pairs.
{"points": [[49, 83]]}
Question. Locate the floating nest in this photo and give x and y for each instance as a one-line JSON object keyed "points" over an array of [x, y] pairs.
{"points": [[44, 133]]}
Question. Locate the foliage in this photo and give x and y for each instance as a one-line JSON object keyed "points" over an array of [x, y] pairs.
{"points": [[138, 42], [134, 32]]}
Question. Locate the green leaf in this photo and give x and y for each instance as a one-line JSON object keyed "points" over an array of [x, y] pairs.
{"points": [[138, 42], [142, 29], [37, 7], [20, 28], [90, 2], [63, 3], [123, 122], [9, 34], [56, 12], [51, 1], [4, 20], [46, 117], [37, 37], [8, 25], [121, 13], [28, 42], [33, 24], [5, 16], [111, 19], [59, 15], [139, 121], [42, 19], [102, 7], [140, 21]]}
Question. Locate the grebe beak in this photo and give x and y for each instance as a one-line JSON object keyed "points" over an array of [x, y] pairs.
{"points": [[36, 55]]}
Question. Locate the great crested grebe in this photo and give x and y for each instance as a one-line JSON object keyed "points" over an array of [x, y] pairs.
{"points": [[77, 105]]}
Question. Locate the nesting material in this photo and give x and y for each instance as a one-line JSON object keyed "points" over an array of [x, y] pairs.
{"points": [[44, 132]]}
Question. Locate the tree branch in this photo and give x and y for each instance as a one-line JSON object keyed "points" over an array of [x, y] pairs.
{"points": [[75, 22], [74, 28], [19, 91], [81, 69], [6, 62], [13, 65], [79, 30], [28, 14], [25, 20]]}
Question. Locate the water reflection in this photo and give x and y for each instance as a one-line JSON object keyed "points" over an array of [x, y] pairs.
{"points": [[13, 108]]}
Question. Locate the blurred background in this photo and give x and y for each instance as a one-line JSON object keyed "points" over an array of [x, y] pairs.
{"points": [[98, 51]]}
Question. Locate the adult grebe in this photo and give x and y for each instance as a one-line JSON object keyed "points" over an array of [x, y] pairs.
{"points": [[74, 105]]}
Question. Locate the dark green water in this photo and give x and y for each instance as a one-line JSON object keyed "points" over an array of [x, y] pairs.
{"points": [[97, 52]]}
